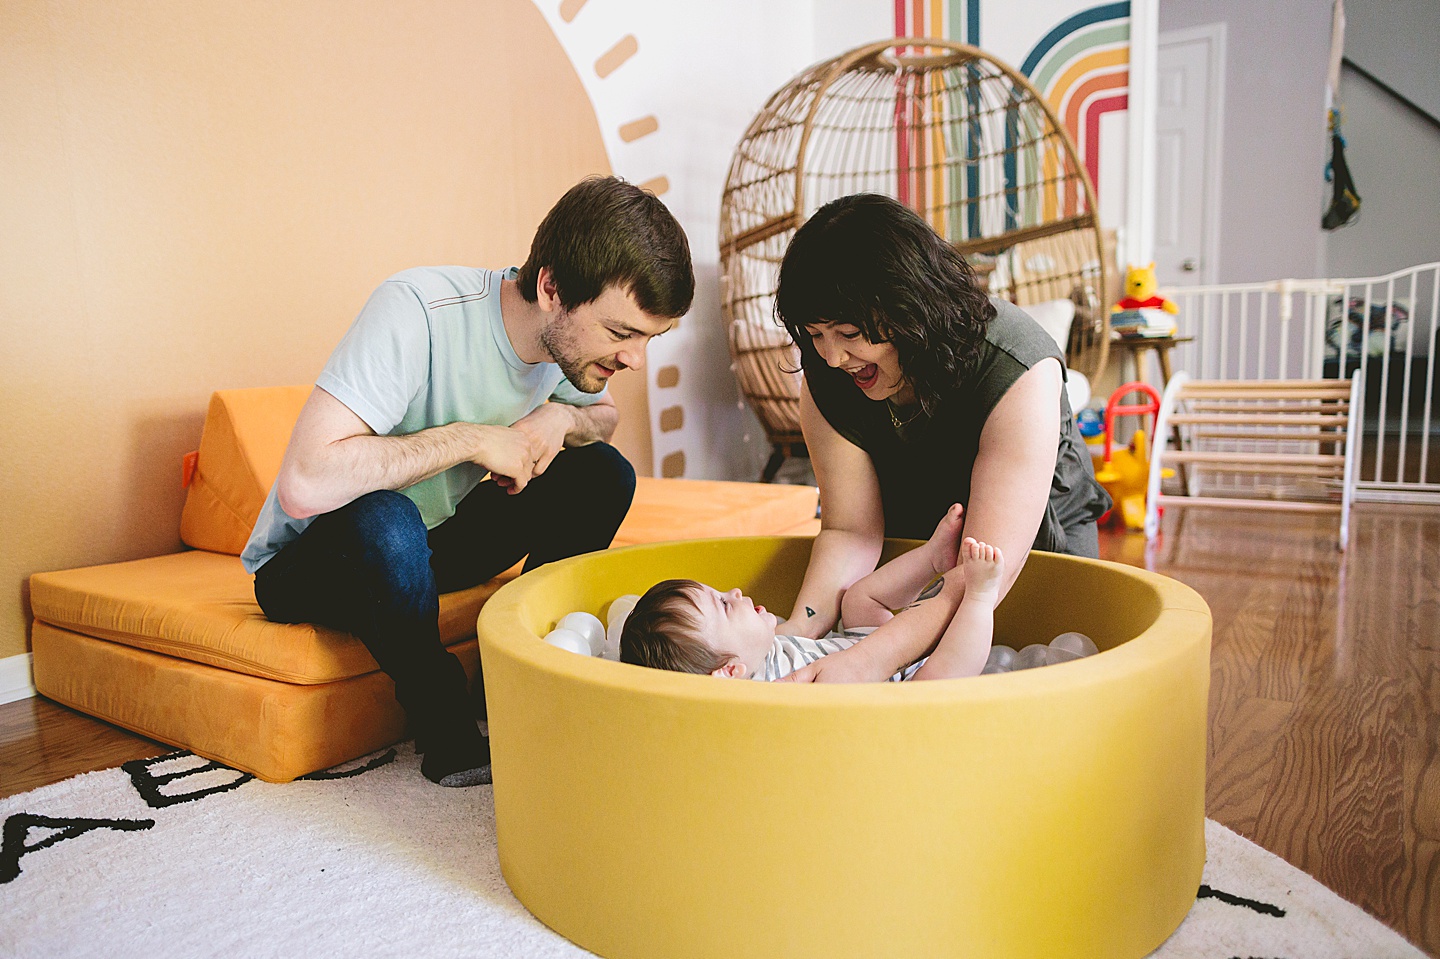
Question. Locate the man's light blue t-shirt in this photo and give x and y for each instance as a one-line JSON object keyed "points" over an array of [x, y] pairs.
{"points": [[428, 349]]}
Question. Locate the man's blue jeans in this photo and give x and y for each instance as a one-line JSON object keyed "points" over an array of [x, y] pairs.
{"points": [[371, 569]]}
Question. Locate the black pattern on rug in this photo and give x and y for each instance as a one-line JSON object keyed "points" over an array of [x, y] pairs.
{"points": [[149, 784], [18, 826], [397, 839], [1264, 908], [344, 772], [153, 781]]}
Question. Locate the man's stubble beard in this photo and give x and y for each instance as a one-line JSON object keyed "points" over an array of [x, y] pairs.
{"points": [[557, 340]]}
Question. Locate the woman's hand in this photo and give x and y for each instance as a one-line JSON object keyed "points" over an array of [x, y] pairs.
{"points": [[853, 665]]}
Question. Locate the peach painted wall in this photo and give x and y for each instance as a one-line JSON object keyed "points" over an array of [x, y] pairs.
{"points": [[200, 195]]}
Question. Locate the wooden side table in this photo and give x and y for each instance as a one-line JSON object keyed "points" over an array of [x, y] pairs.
{"points": [[1136, 346]]}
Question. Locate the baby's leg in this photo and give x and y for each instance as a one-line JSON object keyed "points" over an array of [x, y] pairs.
{"points": [[966, 643], [898, 582]]}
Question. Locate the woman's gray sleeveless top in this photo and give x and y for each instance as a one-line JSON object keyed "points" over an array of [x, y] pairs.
{"points": [[925, 465]]}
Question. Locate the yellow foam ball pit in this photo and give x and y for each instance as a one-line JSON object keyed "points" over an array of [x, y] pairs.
{"points": [[1056, 812]]}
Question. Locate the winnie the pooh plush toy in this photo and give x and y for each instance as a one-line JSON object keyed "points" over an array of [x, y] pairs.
{"points": [[1140, 291]]}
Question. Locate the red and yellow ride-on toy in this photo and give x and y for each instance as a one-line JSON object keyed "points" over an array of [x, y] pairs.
{"points": [[1125, 473]]}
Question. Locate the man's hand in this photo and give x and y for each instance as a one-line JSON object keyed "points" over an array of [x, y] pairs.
{"points": [[853, 665], [509, 454], [548, 426]]}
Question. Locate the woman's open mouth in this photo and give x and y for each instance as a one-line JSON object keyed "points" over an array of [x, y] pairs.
{"points": [[866, 376]]}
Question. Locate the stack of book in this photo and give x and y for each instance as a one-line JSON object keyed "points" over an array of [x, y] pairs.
{"points": [[1137, 324]]}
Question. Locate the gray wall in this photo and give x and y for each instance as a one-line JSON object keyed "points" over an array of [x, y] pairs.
{"points": [[1394, 157], [1393, 151], [1272, 191], [1399, 42]]}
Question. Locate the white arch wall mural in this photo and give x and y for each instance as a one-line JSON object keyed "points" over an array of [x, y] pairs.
{"points": [[674, 86]]}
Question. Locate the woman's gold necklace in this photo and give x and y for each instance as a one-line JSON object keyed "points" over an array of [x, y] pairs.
{"points": [[896, 421]]}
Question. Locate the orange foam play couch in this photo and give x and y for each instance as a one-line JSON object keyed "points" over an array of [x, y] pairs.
{"points": [[175, 647]]}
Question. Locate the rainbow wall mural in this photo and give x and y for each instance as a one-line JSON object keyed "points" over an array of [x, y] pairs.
{"points": [[947, 20], [1081, 66], [1082, 69]]}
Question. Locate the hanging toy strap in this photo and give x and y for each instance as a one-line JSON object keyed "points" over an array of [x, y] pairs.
{"points": [[1344, 202]]}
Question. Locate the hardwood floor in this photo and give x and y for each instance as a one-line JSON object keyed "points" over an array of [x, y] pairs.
{"points": [[1324, 701], [42, 742], [1325, 693]]}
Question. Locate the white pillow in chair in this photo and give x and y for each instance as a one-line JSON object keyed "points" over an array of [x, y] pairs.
{"points": [[1077, 387], [1054, 317]]}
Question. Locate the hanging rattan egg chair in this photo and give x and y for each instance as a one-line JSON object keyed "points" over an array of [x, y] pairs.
{"points": [[948, 130]]}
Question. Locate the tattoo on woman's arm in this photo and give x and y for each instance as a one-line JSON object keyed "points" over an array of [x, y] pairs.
{"points": [[809, 612], [929, 592]]}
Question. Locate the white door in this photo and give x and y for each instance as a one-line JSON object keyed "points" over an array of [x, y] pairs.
{"points": [[1188, 93]]}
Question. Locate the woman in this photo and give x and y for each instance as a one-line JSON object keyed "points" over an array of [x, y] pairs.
{"points": [[921, 392]]}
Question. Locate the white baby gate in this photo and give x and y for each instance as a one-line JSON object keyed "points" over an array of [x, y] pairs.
{"points": [[1384, 327]]}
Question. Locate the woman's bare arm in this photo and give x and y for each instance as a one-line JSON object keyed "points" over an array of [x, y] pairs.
{"points": [[1009, 489], [852, 524], [1015, 466]]}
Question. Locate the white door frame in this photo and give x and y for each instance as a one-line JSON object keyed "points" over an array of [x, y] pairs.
{"points": [[1137, 245], [1213, 35]]}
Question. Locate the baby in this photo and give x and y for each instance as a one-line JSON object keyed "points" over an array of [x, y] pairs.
{"points": [[688, 627]]}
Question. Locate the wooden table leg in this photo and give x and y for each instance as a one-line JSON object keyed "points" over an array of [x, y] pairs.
{"points": [[1163, 353]]}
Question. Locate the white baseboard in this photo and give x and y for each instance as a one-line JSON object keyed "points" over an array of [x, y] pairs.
{"points": [[17, 681]]}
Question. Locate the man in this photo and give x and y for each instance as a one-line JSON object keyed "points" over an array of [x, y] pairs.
{"points": [[450, 374]]}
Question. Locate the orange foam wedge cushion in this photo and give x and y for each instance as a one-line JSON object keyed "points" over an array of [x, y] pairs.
{"points": [[244, 439], [200, 606]]}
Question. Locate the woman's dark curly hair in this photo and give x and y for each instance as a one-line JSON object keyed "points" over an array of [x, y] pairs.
{"points": [[871, 262]]}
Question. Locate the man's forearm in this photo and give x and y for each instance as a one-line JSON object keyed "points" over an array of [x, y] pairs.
{"points": [[342, 471], [593, 424]]}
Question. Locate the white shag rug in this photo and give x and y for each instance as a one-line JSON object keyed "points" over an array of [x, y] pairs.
{"points": [[177, 856]]}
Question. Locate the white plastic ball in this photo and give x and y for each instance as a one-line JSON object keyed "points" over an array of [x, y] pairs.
{"points": [[620, 608], [1031, 656], [568, 639], [587, 625], [992, 668], [1077, 643], [612, 638], [1001, 656], [1054, 655]]}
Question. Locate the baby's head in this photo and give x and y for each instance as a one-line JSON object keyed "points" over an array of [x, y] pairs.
{"points": [[688, 627]]}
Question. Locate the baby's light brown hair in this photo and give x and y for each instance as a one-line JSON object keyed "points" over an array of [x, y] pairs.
{"points": [[663, 630]]}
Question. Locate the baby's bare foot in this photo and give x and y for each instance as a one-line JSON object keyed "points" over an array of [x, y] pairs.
{"points": [[984, 568], [944, 544]]}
